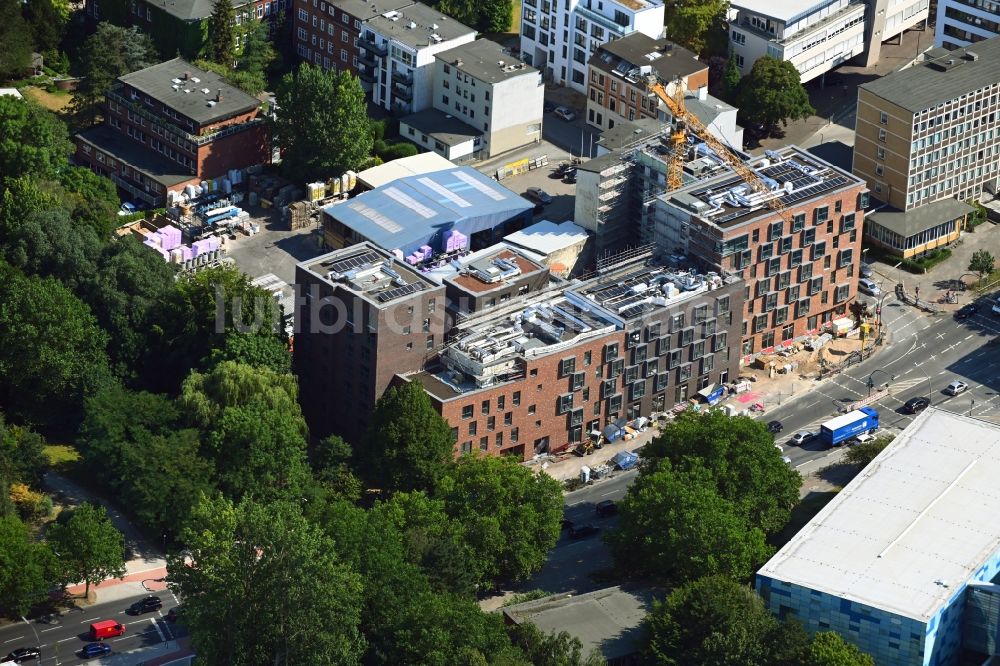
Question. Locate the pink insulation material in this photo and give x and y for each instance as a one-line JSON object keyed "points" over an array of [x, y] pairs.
{"points": [[454, 241], [170, 237], [186, 252], [152, 243], [427, 251], [413, 259], [153, 240]]}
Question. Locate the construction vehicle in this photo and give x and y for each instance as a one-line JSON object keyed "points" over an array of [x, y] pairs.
{"points": [[685, 122]]}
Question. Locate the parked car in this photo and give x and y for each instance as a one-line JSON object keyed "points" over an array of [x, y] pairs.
{"points": [[996, 307], [548, 106], [569, 175], [966, 311], [606, 508], [869, 287], [861, 439], [91, 650], [956, 387], [539, 195], [583, 531], [127, 208], [916, 405], [866, 270], [565, 113], [801, 437], [146, 605], [23, 654], [774, 426]]}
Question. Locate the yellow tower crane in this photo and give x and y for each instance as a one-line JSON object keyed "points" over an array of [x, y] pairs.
{"points": [[684, 122]]}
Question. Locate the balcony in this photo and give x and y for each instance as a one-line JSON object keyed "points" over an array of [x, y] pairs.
{"points": [[370, 46], [604, 21], [401, 77], [365, 74], [368, 61], [402, 92]]}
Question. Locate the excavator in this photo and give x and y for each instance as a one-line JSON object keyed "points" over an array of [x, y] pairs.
{"points": [[686, 122]]}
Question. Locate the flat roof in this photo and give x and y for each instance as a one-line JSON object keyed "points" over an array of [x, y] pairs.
{"points": [[414, 165], [916, 220], [189, 98], [912, 527], [546, 237], [410, 211], [493, 270], [149, 162], [368, 271], [444, 127], [934, 81], [481, 58], [625, 55], [787, 11], [363, 10], [415, 26], [607, 621]]}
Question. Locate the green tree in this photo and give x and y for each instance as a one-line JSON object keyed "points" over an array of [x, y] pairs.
{"points": [[675, 527], [741, 457], [772, 93], [90, 199], [829, 649], [257, 350], [553, 649], [254, 430], [33, 142], [981, 263], [50, 243], [322, 124], [408, 444], [512, 540], [731, 78], [22, 456], [263, 585], [26, 568], [689, 21], [331, 468], [258, 53], [222, 33], [46, 22], [15, 35], [52, 352], [711, 621], [88, 547], [110, 52], [862, 454]]}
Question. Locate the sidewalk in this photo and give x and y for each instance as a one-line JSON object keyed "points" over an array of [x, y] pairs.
{"points": [[567, 466]]}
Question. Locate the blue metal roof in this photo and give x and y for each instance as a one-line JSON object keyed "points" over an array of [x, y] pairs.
{"points": [[417, 210]]}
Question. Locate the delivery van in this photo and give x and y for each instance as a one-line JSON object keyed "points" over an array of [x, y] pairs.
{"points": [[106, 629]]}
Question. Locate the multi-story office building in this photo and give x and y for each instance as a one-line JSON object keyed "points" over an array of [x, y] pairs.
{"points": [[799, 267], [496, 100], [818, 35], [326, 33], [616, 87], [180, 27], [171, 125], [397, 55], [964, 22], [559, 38], [927, 135], [548, 369], [361, 317], [904, 561]]}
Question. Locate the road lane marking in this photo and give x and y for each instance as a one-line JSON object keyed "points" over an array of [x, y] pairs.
{"points": [[156, 626], [14, 639], [610, 492], [91, 619], [49, 629]]}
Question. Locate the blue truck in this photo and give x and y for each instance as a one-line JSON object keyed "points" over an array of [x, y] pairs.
{"points": [[836, 431]]}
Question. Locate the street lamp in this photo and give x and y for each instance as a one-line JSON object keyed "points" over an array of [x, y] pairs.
{"points": [[871, 382]]}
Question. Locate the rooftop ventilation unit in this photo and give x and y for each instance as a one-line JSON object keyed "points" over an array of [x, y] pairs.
{"points": [[393, 15], [206, 90], [212, 102], [971, 55], [195, 79], [437, 38], [411, 25]]}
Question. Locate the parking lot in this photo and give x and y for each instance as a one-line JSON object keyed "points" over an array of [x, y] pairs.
{"points": [[562, 193], [276, 249]]}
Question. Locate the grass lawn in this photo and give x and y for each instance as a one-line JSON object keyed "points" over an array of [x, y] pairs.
{"points": [[62, 457], [803, 512], [56, 101]]}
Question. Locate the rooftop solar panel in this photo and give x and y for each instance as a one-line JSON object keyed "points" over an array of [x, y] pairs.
{"points": [[399, 292], [351, 263]]}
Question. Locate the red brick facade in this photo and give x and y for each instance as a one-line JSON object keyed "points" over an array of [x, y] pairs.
{"points": [[326, 34]]}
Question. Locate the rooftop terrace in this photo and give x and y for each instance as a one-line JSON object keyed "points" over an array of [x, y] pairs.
{"points": [[368, 271], [493, 271]]}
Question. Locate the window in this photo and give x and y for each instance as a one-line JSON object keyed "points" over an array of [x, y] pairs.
{"points": [[567, 366], [759, 323], [608, 388], [722, 304], [514, 435], [880, 152], [674, 359], [815, 285], [484, 442], [638, 390], [781, 315], [586, 358], [881, 134], [879, 170], [516, 398], [499, 439], [819, 250], [719, 341], [467, 411], [466, 447], [821, 215], [847, 223], [846, 257], [610, 352], [501, 403], [486, 407], [639, 354], [565, 403], [684, 373], [577, 381], [798, 222], [883, 117], [615, 403], [473, 427], [491, 423]]}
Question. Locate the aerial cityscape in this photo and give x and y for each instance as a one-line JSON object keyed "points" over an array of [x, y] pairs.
{"points": [[510, 333]]}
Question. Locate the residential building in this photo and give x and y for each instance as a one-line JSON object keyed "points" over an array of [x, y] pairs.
{"points": [[180, 27], [904, 561], [397, 55], [544, 371], [961, 23], [818, 35], [171, 125], [361, 317], [559, 38], [490, 277], [326, 34], [498, 98], [616, 84], [428, 216], [799, 266], [607, 621], [927, 135]]}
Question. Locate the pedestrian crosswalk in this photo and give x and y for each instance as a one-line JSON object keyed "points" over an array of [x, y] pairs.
{"points": [[905, 384]]}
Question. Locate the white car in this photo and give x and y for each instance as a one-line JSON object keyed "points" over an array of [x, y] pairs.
{"points": [[869, 287], [801, 437], [565, 113], [128, 208], [956, 387]]}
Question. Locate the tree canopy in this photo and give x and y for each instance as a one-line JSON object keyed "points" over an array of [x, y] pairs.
{"points": [[33, 142], [689, 21], [110, 52], [15, 56], [221, 45], [772, 93], [88, 546], [322, 126], [26, 568], [981, 263], [829, 649]]}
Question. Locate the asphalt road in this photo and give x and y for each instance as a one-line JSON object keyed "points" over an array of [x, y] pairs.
{"points": [[61, 639]]}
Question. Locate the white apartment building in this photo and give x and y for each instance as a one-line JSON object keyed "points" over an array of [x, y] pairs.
{"points": [[964, 22], [559, 37], [397, 52], [817, 36]]}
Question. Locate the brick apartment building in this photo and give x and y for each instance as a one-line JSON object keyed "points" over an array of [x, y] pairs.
{"points": [[548, 369], [361, 317], [616, 88], [326, 34], [171, 125], [800, 269]]}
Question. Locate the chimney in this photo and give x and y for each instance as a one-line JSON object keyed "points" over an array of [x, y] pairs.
{"points": [[218, 95], [187, 76]]}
